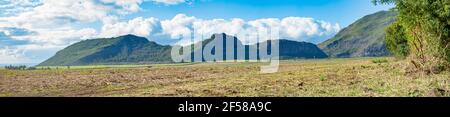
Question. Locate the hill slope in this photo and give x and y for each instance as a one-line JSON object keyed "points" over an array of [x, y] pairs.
{"points": [[118, 50], [130, 49], [293, 49], [363, 38], [288, 49]]}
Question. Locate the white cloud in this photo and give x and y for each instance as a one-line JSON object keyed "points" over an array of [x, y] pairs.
{"points": [[126, 5], [137, 26], [11, 7], [170, 2], [59, 37], [208, 27], [21, 46], [36, 29], [12, 56], [57, 13], [53, 24], [33, 30], [294, 28], [32, 53], [178, 25]]}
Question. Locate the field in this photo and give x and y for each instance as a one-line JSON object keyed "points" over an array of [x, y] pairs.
{"points": [[326, 77]]}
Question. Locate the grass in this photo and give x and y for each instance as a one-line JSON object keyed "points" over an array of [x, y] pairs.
{"points": [[322, 77], [379, 60], [110, 66]]}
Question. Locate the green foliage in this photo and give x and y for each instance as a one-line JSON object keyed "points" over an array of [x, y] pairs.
{"points": [[383, 2], [32, 68], [427, 24], [323, 77], [20, 67], [396, 40], [379, 60]]}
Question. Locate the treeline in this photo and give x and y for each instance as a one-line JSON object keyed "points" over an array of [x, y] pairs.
{"points": [[421, 33], [20, 67], [24, 67]]}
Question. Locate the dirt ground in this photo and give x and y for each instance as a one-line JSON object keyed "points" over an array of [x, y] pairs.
{"points": [[296, 78]]}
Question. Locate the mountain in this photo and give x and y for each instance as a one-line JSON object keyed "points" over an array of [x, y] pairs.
{"points": [[295, 50], [364, 38], [130, 49], [119, 50], [288, 49]]}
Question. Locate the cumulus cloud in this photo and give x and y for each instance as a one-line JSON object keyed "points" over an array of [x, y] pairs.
{"points": [[169, 2], [7, 40], [47, 24], [21, 46], [12, 56], [294, 28], [15, 50], [126, 5], [60, 12], [178, 25], [31, 53], [60, 37], [67, 14], [35, 29], [14, 31], [137, 26], [11, 7]]}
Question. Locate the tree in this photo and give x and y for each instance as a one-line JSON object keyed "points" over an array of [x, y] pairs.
{"points": [[11, 67], [396, 40], [426, 24], [376, 2]]}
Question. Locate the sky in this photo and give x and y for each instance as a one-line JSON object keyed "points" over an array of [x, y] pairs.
{"points": [[31, 31]]}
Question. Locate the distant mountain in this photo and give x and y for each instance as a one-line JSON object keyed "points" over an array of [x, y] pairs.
{"points": [[119, 50], [288, 49], [297, 50], [364, 38], [130, 49]]}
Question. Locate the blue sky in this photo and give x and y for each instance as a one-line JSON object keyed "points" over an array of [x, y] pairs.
{"points": [[34, 30], [343, 12]]}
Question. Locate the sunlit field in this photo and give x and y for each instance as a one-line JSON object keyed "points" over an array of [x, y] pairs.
{"points": [[296, 78]]}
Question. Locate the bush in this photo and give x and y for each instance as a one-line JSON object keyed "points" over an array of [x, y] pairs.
{"points": [[425, 25], [11, 67], [396, 40], [380, 60], [32, 68]]}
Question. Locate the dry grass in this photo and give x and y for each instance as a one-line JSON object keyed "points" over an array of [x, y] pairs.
{"points": [[329, 77]]}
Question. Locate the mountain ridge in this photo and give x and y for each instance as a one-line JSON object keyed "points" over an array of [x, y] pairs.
{"points": [[363, 38], [130, 49]]}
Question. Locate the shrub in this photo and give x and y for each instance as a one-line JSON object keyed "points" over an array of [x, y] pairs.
{"points": [[396, 40], [32, 68], [323, 78], [380, 60], [425, 25]]}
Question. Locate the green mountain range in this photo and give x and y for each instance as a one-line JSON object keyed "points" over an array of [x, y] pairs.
{"points": [[130, 49], [125, 49], [364, 38], [287, 49]]}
